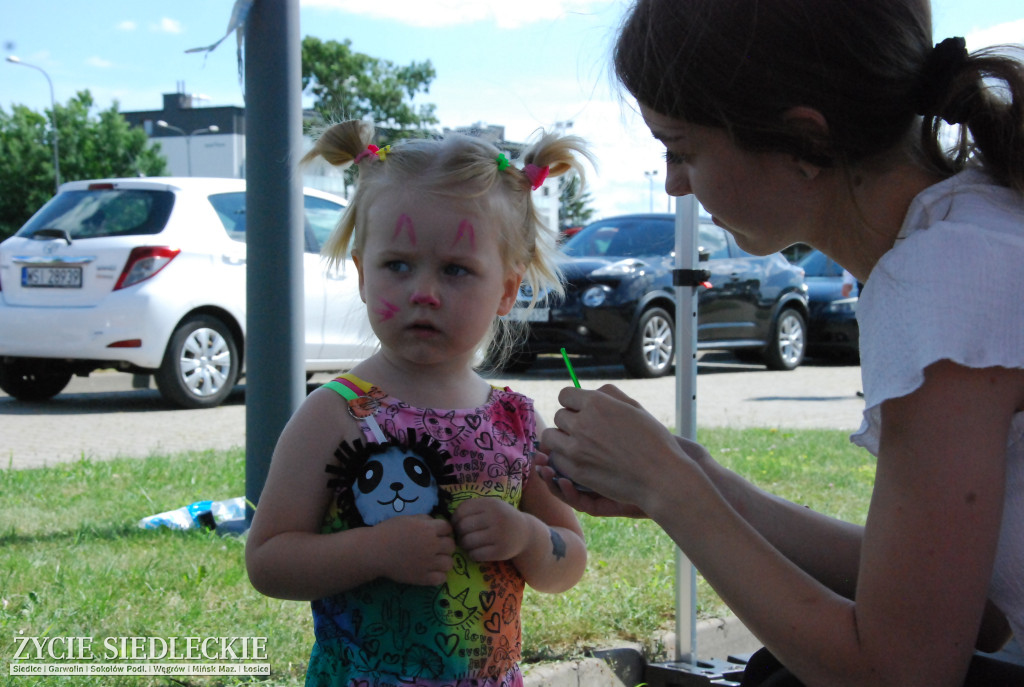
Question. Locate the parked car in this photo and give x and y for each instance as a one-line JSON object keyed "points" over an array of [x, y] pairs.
{"points": [[620, 302], [832, 324], [147, 276]]}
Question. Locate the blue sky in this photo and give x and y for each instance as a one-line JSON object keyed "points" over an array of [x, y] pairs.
{"points": [[522, 64]]}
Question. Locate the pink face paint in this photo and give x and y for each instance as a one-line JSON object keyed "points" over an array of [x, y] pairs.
{"points": [[387, 310], [405, 222], [466, 228]]}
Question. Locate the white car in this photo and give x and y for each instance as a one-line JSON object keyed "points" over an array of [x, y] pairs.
{"points": [[147, 276]]}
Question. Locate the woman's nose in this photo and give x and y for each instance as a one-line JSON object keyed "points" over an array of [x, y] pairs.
{"points": [[677, 181]]}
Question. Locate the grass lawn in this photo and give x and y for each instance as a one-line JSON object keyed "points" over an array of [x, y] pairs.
{"points": [[74, 563]]}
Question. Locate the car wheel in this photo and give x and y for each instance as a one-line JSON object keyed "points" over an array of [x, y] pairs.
{"points": [[785, 350], [33, 379], [200, 366], [652, 349]]}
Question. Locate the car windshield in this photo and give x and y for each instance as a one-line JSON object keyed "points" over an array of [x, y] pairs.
{"points": [[627, 238], [95, 213]]}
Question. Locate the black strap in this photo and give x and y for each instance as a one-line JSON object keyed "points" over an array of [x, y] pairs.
{"points": [[681, 277]]}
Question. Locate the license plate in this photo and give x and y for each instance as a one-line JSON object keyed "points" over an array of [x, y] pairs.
{"points": [[524, 315], [52, 277]]}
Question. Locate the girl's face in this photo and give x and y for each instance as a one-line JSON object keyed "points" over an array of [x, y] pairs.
{"points": [[432, 277], [749, 194]]}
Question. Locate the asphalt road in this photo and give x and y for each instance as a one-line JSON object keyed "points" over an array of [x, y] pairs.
{"points": [[102, 416]]}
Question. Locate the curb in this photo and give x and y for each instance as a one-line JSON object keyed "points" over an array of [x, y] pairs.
{"points": [[624, 666]]}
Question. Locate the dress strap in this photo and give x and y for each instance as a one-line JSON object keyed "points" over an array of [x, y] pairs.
{"points": [[350, 391]]}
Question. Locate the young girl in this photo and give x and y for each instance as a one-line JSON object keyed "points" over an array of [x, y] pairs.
{"points": [[822, 122], [399, 500]]}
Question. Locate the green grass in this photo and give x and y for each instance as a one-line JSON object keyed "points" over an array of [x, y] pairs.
{"points": [[74, 563]]}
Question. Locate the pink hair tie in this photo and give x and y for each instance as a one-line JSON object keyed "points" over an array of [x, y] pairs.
{"points": [[372, 151], [536, 175]]}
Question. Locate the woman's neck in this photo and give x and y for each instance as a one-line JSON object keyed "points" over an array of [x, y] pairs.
{"points": [[868, 213]]}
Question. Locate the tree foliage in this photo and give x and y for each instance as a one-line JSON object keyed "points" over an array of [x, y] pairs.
{"points": [[89, 146], [573, 209], [351, 85]]}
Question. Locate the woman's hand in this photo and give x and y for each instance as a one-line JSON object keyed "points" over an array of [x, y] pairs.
{"points": [[589, 502], [605, 441]]}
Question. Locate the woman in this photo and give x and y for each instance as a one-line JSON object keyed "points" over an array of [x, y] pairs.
{"points": [[802, 121]]}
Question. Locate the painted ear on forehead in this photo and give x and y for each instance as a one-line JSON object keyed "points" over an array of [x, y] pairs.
{"points": [[465, 231], [405, 225]]}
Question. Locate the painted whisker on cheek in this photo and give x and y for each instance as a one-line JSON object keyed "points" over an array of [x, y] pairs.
{"points": [[466, 228], [405, 222], [387, 311]]}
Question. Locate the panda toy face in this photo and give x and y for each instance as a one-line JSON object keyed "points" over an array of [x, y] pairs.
{"points": [[392, 483], [407, 475]]}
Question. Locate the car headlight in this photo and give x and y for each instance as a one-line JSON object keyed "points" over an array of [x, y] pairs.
{"points": [[844, 305], [595, 296]]}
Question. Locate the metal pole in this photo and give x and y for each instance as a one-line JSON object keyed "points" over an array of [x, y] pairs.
{"points": [[686, 411], [53, 108], [275, 369]]}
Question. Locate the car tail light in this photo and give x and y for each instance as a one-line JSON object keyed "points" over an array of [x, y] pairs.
{"points": [[143, 263]]}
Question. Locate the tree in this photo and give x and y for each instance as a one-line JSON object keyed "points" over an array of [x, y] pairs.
{"points": [[351, 85], [90, 147], [573, 209]]}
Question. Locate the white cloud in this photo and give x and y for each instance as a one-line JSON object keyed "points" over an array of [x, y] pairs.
{"points": [[127, 25], [167, 25], [99, 62], [1010, 32], [505, 14]]}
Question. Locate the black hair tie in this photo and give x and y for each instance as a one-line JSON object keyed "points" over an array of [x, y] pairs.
{"points": [[932, 98]]}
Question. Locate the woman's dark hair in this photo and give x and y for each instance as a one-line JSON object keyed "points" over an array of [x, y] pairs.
{"points": [[868, 66]]}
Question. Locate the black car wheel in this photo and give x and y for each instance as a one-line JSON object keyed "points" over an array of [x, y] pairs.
{"points": [[33, 379], [785, 350], [201, 364], [652, 349]]}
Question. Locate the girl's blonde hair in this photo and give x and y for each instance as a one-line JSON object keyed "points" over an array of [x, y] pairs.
{"points": [[461, 168]]}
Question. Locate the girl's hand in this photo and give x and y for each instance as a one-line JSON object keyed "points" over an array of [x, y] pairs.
{"points": [[589, 502], [415, 549], [490, 529]]}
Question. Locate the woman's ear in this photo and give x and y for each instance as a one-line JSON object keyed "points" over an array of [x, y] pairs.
{"points": [[811, 128], [513, 280]]}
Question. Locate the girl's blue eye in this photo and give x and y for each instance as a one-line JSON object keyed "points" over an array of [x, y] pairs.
{"points": [[396, 266], [455, 270]]}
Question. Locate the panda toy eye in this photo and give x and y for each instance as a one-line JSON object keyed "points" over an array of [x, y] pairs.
{"points": [[417, 471], [370, 477]]}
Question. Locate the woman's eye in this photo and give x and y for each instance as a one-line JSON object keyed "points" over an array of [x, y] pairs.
{"points": [[673, 158]]}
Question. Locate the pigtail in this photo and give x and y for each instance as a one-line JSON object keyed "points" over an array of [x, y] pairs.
{"points": [[340, 145], [984, 96]]}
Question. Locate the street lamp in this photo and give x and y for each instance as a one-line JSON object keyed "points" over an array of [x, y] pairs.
{"points": [[53, 106], [212, 129], [650, 181]]}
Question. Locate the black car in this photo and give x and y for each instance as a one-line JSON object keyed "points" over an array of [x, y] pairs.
{"points": [[832, 325], [620, 302]]}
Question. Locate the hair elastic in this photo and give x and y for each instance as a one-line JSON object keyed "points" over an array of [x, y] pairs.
{"points": [[536, 175], [372, 151], [502, 161], [943, 62]]}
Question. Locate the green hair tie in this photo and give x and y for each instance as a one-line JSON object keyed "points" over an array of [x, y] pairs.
{"points": [[502, 162]]}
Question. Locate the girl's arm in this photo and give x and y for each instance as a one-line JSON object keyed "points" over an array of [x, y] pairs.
{"points": [[543, 538], [285, 554]]}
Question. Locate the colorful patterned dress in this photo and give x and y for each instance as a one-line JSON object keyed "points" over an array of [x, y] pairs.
{"points": [[465, 632]]}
